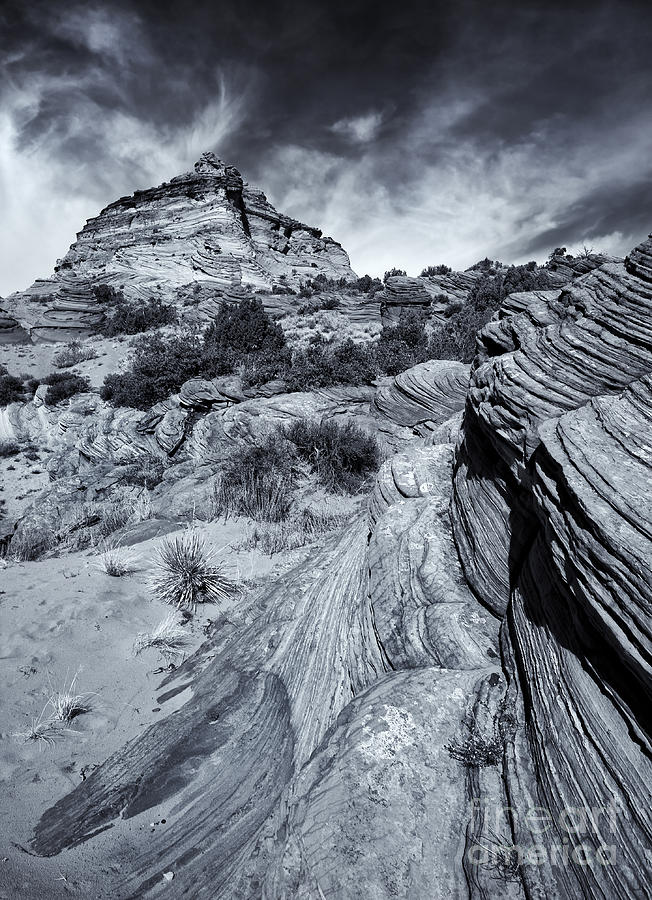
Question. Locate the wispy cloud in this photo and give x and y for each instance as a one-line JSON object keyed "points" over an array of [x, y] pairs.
{"points": [[359, 129], [510, 202], [65, 151], [417, 134]]}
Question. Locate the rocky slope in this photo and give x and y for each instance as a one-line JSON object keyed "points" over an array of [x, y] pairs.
{"points": [[205, 233], [478, 643], [449, 697]]}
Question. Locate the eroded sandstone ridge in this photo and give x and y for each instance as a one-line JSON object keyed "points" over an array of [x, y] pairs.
{"points": [[450, 698], [206, 229]]}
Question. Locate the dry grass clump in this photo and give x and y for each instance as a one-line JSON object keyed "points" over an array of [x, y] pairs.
{"points": [[259, 495], [73, 353], [117, 561], [258, 481], [344, 457], [87, 524], [64, 705], [83, 524], [40, 730], [31, 541], [186, 573], [168, 638], [297, 531], [67, 704]]}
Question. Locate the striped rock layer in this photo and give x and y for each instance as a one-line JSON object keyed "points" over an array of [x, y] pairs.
{"points": [[205, 228], [449, 698]]}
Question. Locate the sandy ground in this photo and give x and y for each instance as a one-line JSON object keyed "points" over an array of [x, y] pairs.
{"points": [[61, 618], [35, 360], [21, 479]]}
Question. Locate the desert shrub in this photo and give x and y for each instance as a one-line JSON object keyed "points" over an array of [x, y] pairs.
{"points": [[435, 270], [322, 284], [297, 531], [241, 335], [485, 265], [477, 750], [456, 337], [136, 317], [402, 345], [105, 293], [266, 365], [145, 471], [186, 573], [391, 273], [367, 285], [31, 542], [244, 328], [63, 385], [11, 387], [8, 448], [328, 302], [73, 353], [159, 367], [323, 364], [342, 456], [257, 482], [86, 524]]}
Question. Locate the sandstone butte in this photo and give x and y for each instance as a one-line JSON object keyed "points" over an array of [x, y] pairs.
{"points": [[496, 591]]}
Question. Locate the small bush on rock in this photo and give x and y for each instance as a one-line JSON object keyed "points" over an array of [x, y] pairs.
{"points": [[136, 317], [323, 364], [342, 456], [477, 750], [430, 271], [8, 448], [63, 385], [11, 388], [145, 471]]}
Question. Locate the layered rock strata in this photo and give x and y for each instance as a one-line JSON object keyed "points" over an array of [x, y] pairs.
{"points": [[466, 664], [206, 228], [553, 522]]}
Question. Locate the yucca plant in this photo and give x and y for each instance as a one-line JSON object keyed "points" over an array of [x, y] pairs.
{"points": [[186, 573]]}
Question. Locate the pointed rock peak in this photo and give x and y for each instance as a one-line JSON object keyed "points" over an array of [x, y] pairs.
{"points": [[209, 164], [639, 261]]}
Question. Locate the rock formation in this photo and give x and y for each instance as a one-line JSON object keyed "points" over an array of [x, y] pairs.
{"points": [[468, 661], [206, 228]]}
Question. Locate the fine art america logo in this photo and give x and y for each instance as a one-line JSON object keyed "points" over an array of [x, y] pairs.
{"points": [[571, 836]]}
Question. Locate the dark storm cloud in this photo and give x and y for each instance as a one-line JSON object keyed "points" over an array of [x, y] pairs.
{"points": [[412, 132]]}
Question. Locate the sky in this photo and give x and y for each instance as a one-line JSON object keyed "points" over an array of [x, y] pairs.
{"points": [[415, 133]]}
